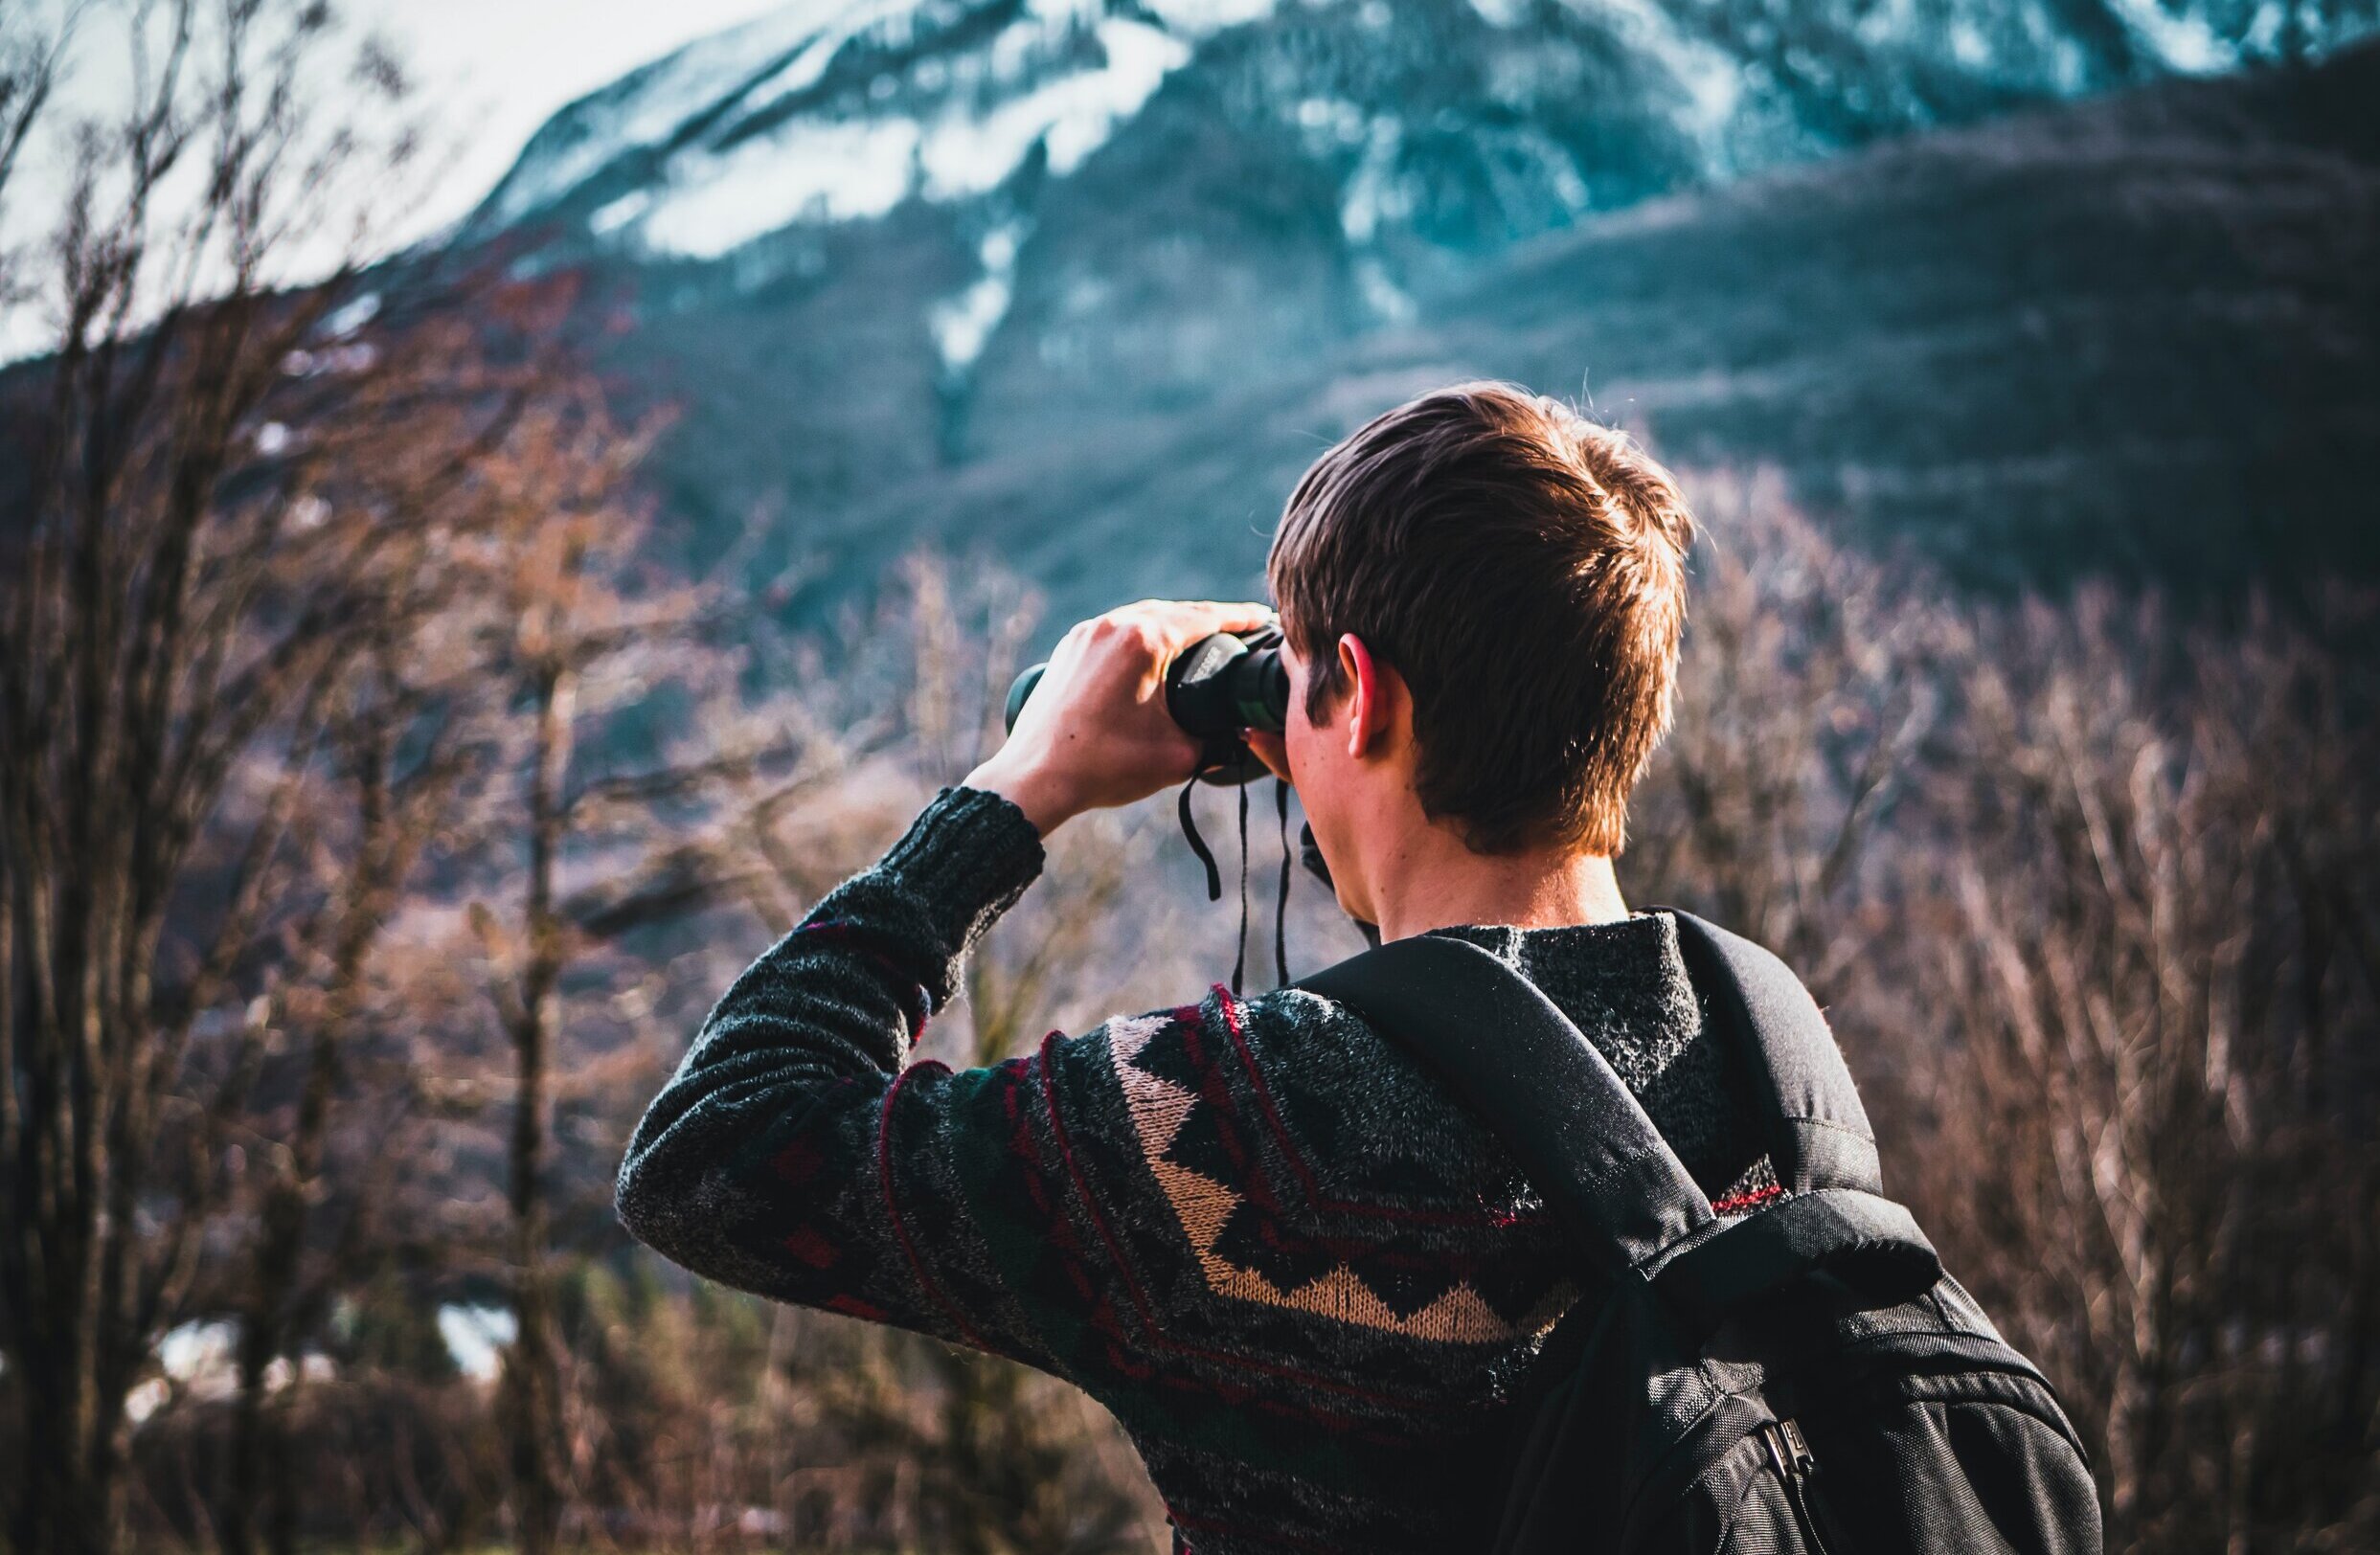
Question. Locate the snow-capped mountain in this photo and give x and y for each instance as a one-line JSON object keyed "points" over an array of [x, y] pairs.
{"points": [[910, 244], [834, 110]]}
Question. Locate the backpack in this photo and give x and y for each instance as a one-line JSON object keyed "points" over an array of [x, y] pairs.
{"points": [[1800, 1378]]}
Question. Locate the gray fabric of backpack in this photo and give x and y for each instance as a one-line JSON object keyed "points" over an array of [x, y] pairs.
{"points": [[1801, 1377]]}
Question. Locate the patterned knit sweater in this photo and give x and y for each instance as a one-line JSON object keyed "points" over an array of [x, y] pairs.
{"points": [[1303, 1280]]}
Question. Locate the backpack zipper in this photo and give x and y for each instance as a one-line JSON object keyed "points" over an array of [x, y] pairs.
{"points": [[1789, 1454]]}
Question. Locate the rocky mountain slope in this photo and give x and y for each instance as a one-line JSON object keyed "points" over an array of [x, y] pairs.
{"points": [[1087, 285]]}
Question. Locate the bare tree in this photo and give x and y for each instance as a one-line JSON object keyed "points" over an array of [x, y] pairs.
{"points": [[229, 509], [586, 635], [397, 802], [564, 620], [2157, 960], [2088, 889], [1808, 686]]}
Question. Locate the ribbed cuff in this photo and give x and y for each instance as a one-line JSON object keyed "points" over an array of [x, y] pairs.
{"points": [[966, 859]]}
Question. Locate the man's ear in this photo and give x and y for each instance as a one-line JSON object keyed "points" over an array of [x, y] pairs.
{"points": [[1372, 692]]}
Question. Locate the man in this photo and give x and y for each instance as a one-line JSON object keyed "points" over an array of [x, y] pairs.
{"points": [[1305, 1281]]}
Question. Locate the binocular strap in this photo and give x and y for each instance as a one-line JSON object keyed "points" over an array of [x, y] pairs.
{"points": [[1214, 873]]}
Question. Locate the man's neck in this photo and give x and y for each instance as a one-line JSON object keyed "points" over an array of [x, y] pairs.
{"points": [[1431, 880]]}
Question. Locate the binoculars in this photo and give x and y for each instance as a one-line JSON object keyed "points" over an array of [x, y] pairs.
{"points": [[1219, 686]]}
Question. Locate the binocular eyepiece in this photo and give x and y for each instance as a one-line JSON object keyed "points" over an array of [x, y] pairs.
{"points": [[1219, 686]]}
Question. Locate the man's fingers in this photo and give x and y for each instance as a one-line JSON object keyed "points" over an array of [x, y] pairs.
{"points": [[1177, 623], [1151, 633], [1233, 616], [1246, 616]]}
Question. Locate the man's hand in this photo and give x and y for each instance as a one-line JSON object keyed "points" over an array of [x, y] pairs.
{"points": [[1095, 733]]}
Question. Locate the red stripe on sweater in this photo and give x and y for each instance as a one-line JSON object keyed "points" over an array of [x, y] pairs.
{"points": [[1140, 1297]]}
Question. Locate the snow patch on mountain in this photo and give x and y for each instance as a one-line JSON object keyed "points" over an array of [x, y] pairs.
{"points": [[840, 169], [830, 111], [1711, 77], [963, 324], [967, 154], [827, 171], [2182, 42], [1195, 19]]}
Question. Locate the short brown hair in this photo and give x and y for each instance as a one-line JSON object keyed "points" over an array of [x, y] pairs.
{"points": [[1524, 569]]}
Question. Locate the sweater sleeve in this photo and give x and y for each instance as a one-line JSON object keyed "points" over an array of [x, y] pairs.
{"points": [[794, 1156]]}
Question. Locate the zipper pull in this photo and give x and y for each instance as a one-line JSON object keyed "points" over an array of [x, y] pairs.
{"points": [[1789, 1450]]}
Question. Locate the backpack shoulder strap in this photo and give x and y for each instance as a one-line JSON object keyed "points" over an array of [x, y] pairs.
{"points": [[1818, 1131], [1509, 1054], [1504, 1048]]}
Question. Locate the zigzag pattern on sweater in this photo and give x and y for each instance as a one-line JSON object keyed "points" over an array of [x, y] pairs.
{"points": [[1222, 1209]]}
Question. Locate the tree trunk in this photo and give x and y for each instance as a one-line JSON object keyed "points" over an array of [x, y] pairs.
{"points": [[58, 1178], [63, 1504], [532, 1381], [259, 1456]]}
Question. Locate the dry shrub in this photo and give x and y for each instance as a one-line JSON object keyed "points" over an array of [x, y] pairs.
{"points": [[2092, 893]]}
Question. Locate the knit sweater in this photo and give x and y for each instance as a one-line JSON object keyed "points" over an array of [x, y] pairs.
{"points": [[1306, 1283]]}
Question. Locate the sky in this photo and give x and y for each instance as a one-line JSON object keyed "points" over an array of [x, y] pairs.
{"points": [[489, 73]]}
